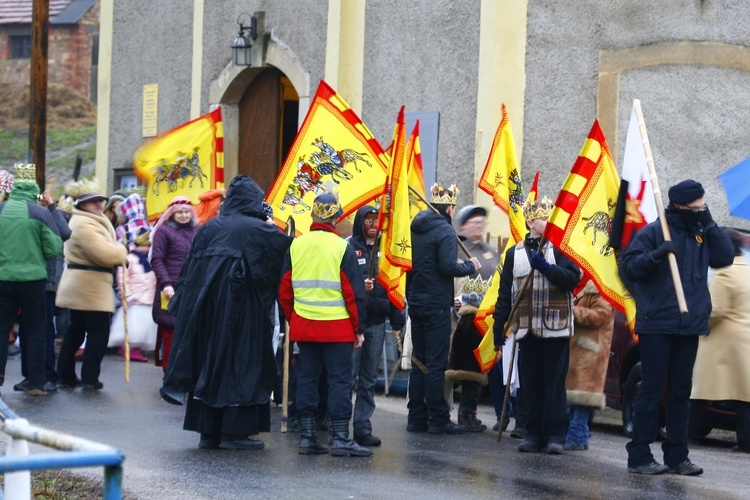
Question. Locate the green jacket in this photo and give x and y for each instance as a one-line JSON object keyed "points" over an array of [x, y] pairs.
{"points": [[27, 240]]}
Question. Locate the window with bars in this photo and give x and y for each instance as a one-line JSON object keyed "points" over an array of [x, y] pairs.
{"points": [[20, 47]]}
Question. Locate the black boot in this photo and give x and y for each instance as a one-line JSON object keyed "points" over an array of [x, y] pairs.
{"points": [[342, 445], [308, 441]]}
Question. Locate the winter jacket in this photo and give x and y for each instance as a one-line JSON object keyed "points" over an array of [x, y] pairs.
{"points": [[140, 281], [462, 364], [650, 281], [56, 266], [378, 306], [169, 249], [434, 262], [563, 274], [722, 371], [27, 237], [92, 252], [352, 288], [589, 348]]}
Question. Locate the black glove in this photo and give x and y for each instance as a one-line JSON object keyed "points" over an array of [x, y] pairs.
{"points": [[665, 248], [500, 341], [706, 218], [538, 262]]}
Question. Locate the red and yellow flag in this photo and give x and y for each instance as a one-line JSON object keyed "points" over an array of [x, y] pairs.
{"points": [[415, 173], [501, 179], [332, 146], [580, 221], [395, 242], [186, 161]]}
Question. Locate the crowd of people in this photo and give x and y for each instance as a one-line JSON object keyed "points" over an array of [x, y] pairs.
{"points": [[208, 288]]}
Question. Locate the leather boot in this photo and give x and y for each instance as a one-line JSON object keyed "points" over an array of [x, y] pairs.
{"points": [[308, 441], [342, 445]]}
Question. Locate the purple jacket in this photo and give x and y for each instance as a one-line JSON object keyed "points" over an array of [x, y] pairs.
{"points": [[169, 249]]}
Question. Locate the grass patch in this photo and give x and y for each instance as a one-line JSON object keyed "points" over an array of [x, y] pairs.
{"points": [[14, 145]]}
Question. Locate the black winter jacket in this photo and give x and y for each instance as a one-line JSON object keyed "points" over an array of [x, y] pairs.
{"points": [[378, 306], [651, 284], [435, 262]]}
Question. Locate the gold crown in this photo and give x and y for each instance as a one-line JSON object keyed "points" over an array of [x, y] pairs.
{"points": [[325, 209], [476, 285], [539, 209], [76, 189], [443, 196], [65, 204], [25, 172]]}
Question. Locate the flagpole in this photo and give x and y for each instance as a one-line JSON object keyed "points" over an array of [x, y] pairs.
{"points": [[660, 209], [290, 231], [460, 243]]}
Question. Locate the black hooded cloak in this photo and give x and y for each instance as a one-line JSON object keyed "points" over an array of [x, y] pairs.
{"points": [[223, 305]]}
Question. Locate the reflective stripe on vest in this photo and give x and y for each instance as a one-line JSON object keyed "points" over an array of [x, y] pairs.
{"points": [[316, 276]]}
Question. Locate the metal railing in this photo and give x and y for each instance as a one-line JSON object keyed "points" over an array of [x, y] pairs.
{"points": [[77, 452]]}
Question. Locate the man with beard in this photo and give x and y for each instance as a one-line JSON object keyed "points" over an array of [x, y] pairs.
{"points": [[222, 352], [668, 340], [378, 308]]}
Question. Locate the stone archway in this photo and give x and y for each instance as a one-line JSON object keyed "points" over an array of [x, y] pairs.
{"points": [[230, 86]]}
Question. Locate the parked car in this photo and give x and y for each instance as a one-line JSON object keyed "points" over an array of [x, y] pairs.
{"points": [[624, 377]]}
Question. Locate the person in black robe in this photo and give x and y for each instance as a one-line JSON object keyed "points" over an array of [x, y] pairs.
{"points": [[222, 354]]}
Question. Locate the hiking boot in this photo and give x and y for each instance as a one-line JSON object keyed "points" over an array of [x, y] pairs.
{"points": [[518, 432], [686, 468], [416, 427], [368, 440], [93, 386], [496, 427], [308, 441], [65, 384], [530, 447], [573, 446], [342, 445], [25, 386], [652, 469], [469, 420], [446, 428], [209, 441], [553, 449]]}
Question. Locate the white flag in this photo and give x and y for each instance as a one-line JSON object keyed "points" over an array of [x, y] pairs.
{"points": [[635, 170]]}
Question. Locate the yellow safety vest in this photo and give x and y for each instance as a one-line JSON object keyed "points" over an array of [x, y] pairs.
{"points": [[316, 276]]}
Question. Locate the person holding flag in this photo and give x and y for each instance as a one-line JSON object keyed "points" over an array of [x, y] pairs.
{"points": [[378, 309], [429, 292], [668, 339], [540, 278]]}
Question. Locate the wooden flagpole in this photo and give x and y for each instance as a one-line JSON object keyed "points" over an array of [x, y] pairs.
{"points": [[660, 209], [290, 231]]}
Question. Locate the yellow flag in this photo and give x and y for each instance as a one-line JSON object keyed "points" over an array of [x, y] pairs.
{"points": [[501, 179], [395, 258], [415, 172], [332, 146], [580, 221], [186, 161]]}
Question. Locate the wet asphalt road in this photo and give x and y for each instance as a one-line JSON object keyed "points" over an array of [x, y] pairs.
{"points": [[164, 462]]}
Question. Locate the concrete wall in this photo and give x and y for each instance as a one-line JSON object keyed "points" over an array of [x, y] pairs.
{"points": [[425, 56], [144, 55], [686, 60], [696, 111]]}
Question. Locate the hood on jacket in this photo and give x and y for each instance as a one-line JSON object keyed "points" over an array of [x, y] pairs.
{"points": [[358, 230], [27, 191], [244, 197], [427, 220]]}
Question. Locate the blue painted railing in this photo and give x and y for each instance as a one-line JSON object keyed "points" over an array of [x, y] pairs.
{"points": [[76, 452]]}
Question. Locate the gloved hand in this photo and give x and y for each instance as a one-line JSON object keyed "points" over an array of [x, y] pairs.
{"points": [[538, 262], [665, 248], [706, 219], [500, 339]]}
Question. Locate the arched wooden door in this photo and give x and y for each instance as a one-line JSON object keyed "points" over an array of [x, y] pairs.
{"points": [[268, 124]]}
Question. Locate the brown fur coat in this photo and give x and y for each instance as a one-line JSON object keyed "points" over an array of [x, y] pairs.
{"points": [[462, 365], [589, 348]]}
